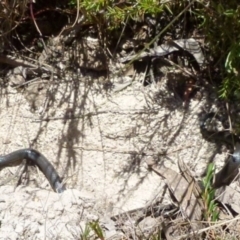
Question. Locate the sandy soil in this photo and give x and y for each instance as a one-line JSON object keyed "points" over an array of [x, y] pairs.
{"points": [[98, 141]]}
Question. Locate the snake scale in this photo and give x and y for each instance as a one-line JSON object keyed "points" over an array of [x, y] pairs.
{"points": [[230, 170], [38, 159]]}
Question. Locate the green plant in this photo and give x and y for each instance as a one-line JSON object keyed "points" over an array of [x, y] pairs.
{"points": [[156, 236], [223, 43], [92, 229], [94, 225], [115, 14], [211, 212], [86, 233]]}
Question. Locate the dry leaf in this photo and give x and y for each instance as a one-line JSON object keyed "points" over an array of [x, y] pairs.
{"points": [[179, 187], [228, 195]]}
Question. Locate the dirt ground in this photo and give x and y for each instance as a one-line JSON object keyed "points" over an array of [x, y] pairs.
{"points": [[98, 140]]}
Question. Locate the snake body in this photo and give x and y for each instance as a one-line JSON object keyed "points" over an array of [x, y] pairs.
{"points": [[38, 159], [230, 170]]}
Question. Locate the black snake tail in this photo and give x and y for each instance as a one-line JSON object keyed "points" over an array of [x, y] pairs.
{"points": [[230, 170], [38, 159]]}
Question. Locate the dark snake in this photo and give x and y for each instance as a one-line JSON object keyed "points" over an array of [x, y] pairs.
{"points": [[38, 159], [230, 170]]}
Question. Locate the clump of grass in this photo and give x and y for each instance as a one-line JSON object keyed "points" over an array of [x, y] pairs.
{"points": [[92, 230], [223, 43], [114, 14], [211, 212], [156, 236], [213, 18], [86, 233], [97, 229]]}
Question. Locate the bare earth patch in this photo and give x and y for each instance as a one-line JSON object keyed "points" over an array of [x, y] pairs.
{"points": [[98, 141]]}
